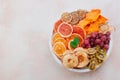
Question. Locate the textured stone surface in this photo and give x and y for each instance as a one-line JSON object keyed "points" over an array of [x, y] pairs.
{"points": [[25, 26]]}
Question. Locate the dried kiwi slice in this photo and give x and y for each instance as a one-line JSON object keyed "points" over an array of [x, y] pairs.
{"points": [[92, 51], [99, 62], [93, 60], [92, 66], [103, 51], [91, 56], [101, 56], [97, 48]]}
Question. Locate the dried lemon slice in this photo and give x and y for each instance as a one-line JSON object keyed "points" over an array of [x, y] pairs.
{"points": [[59, 48], [61, 40], [54, 37]]}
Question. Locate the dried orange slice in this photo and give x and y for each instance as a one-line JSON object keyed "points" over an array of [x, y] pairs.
{"points": [[61, 40], [69, 45], [79, 31], [74, 35], [56, 25], [55, 36], [59, 48], [65, 29]]}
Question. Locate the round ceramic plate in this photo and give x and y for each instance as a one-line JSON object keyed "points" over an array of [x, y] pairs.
{"points": [[75, 70]]}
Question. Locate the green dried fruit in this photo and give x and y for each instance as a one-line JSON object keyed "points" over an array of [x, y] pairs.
{"points": [[97, 48], [93, 60], [103, 51], [99, 62], [76, 39], [75, 42], [92, 66], [90, 56], [92, 51], [101, 56]]}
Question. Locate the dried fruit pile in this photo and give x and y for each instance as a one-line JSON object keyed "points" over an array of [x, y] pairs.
{"points": [[81, 39]]}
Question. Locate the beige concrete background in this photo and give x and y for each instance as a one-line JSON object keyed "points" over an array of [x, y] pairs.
{"points": [[25, 26]]}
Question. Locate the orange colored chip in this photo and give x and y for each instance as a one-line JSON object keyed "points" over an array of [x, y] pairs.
{"points": [[101, 20], [93, 15], [83, 23]]}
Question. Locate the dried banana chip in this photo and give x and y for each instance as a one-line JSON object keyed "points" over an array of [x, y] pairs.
{"points": [[82, 14], [66, 17], [104, 28], [75, 18]]}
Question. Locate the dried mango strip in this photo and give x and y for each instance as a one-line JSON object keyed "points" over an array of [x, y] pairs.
{"points": [[101, 20], [83, 23], [86, 29], [93, 15], [92, 28]]}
